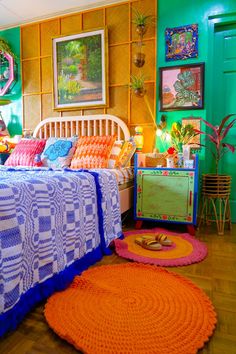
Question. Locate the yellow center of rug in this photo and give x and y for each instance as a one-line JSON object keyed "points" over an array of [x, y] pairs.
{"points": [[182, 247]]}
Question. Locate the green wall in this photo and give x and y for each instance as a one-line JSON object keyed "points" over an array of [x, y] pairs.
{"points": [[176, 13], [12, 113]]}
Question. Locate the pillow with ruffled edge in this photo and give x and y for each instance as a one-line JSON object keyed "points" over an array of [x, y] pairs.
{"points": [[25, 152], [58, 152]]}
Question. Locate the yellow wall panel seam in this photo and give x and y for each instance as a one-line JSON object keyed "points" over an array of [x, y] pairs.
{"points": [[130, 48], [22, 76]]}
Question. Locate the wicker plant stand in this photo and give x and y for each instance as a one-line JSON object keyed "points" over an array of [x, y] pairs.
{"points": [[215, 205]]}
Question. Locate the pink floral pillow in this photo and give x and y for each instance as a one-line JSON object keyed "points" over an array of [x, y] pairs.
{"points": [[25, 152]]}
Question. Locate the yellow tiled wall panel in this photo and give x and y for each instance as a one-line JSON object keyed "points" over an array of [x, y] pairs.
{"points": [[37, 73], [93, 19]]}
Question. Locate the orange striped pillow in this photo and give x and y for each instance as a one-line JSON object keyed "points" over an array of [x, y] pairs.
{"points": [[92, 152]]}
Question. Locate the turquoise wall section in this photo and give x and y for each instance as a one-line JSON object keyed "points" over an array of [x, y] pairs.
{"points": [[12, 113], [183, 12]]}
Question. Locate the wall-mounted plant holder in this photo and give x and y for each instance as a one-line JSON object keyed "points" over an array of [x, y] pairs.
{"points": [[141, 29], [141, 22], [137, 85], [6, 72], [139, 59]]}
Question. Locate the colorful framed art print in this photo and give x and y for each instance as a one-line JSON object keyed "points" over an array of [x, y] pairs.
{"points": [[181, 42], [182, 87]]}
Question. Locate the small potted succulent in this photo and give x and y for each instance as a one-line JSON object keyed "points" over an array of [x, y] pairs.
{"points": [[137, 85]]}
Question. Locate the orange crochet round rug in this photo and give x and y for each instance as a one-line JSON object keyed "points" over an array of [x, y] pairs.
{"points": [[132, 308], [185, 248]]}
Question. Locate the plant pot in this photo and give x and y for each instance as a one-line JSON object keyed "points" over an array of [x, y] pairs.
{"points": [[140, 92], [139, 59], [215, 205], [141, 29], [216, 186]]}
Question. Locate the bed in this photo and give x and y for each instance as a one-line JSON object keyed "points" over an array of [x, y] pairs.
{"points": [[55, 223], [103, 124]]}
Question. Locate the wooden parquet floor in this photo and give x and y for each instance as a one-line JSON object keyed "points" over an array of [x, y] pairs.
{"points": [[216, 275]]}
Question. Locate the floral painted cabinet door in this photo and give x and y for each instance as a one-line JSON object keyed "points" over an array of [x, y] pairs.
{"points": [[166, 195]]}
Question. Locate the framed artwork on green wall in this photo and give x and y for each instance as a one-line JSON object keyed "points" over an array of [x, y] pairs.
{"points": [[181, 42], [80, 77], [182, 87]]}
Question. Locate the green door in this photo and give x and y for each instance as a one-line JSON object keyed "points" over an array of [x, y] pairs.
{"points": [[224, 97]]}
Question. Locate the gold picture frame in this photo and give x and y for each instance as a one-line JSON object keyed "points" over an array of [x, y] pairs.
{"points": [[80, 70]]}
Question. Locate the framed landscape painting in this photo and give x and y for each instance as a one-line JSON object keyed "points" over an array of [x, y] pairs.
{"points": [[182, 87], [80, 70], [181, 42]]}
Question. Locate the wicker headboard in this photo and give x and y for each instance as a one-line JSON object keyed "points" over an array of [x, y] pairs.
{"points": [[102, 124]]}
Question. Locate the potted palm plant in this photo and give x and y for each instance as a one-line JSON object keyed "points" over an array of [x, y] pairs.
{"points": [[216, 187], [216, 137]]}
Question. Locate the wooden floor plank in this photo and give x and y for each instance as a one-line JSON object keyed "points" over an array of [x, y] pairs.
{"points": [[216, 275]]}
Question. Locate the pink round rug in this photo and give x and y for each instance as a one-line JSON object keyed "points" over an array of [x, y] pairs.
{"points": [[185, 249]]}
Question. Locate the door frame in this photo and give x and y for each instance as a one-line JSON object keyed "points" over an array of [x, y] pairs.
{"points": [[217, 21], [213, 22]]}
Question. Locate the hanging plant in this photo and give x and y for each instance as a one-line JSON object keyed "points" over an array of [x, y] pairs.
{"points": [[137, 85], [5, 48], [141, 21]]}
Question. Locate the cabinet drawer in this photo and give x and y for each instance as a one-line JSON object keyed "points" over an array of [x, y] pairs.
{"points": [[165, 195]]}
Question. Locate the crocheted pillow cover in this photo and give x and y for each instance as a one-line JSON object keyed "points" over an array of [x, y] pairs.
{"points": [[25, 152], [92, 152], [58, 152]]}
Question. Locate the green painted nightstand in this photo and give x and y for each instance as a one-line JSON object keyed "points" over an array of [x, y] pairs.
{"points": [[165, 194]]}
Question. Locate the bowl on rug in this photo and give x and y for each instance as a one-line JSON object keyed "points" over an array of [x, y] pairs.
{"points": [[132, 308], [185, 249]]}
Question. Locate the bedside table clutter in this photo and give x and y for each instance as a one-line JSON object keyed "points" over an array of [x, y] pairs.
{"points": [[7, 145]]}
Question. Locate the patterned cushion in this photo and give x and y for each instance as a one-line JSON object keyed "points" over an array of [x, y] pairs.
{"points": [[25, 152], [127, 151], [92, 152], [58, 152], [115, 151]]}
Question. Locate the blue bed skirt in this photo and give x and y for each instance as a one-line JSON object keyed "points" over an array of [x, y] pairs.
{"points": [[10, 319]]}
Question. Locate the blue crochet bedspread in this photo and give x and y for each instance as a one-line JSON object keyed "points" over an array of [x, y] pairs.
{"points": [[49, 222]]}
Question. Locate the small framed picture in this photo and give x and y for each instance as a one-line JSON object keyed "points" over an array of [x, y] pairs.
{"points": [[196, 123], [181, 42], [182, 87]]}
